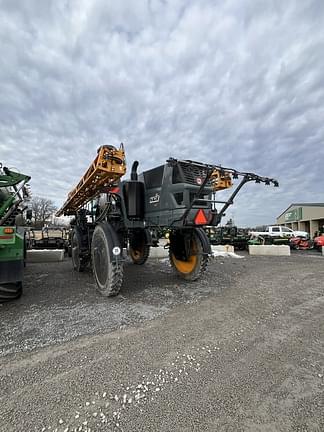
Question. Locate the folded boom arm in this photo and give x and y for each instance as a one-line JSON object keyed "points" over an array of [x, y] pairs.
{"points": [[108, 166]]}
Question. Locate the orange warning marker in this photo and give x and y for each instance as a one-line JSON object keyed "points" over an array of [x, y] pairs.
{"points": [[200, 218]]}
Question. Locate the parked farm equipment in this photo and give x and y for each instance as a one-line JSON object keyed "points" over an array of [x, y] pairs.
{"points": [[319, 239], [47, 238], [228, 235], [302, 243], [13, 193], [319, 242], [110, 215], [258, 239]]}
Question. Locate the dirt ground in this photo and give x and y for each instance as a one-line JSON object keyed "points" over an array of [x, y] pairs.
{"points": [[240, 350]]}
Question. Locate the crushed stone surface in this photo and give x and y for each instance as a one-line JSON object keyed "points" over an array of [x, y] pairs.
{"points": [[239, 350]]}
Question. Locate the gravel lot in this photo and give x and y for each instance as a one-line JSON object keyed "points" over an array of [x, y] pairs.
{"points": [[240, 350]]}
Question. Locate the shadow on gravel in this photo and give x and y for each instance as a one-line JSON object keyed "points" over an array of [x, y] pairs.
{"points": [[60, 304]]}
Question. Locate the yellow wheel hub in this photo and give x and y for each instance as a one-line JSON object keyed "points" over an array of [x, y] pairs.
{"points": [[185, 266], [136, 254]]}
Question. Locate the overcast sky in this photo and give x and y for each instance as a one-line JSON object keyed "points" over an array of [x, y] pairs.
{"points": [[237, 83]]}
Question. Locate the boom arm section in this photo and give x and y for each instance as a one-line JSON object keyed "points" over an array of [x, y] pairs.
{"points": [[217, 178], [108, 167], [245, 178]]}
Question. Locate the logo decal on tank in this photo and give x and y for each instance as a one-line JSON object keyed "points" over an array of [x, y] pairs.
{"points": [[155, 199]]}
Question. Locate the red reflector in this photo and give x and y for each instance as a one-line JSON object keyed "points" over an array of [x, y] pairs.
{"points": [[200, 218], [8, 230], [6, 237]]}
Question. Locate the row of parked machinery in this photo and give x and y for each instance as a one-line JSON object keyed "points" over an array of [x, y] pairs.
{"points": [[305, 242], [241, 238]]}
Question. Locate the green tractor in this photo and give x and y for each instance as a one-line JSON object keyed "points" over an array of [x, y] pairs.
{"points": [[13, 194]]}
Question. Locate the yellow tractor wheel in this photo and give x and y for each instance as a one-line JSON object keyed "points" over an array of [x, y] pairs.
{"points": [[195, 264]]}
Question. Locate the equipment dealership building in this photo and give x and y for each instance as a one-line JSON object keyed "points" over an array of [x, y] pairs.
{"points": [[303, 217]]}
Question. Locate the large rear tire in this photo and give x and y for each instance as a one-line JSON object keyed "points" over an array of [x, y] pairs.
{"points": [[10, 291], [79, 262], [195, 264], [108, 272]]}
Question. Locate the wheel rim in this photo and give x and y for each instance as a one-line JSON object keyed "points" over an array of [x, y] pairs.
{"points": [[185, 266], [100, 260], [189, 265], [136, 254]]}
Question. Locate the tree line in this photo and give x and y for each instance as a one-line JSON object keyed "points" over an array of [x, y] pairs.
{"points": [[42, 210]]}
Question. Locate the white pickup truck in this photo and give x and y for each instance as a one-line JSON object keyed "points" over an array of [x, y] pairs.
{"points": [[279, 231]]}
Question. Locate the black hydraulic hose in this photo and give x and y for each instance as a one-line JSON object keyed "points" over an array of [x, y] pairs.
{"points": [[231, 198]]}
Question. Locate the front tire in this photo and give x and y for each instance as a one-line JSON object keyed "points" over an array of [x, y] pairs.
{"points": [[79, 262], [192, 267], [108, 273], [10, 291]]}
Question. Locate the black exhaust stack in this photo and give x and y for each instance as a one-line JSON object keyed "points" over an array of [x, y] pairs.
{"points": [[134, 195], [134, 175]]}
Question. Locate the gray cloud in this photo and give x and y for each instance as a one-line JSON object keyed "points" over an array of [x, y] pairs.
{"points": [[236, 83]]}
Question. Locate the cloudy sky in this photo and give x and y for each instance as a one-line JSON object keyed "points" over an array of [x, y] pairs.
{"points": [[237, 83]]}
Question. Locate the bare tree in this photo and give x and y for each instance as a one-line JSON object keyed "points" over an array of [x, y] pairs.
{"points": [[42, 209]]}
